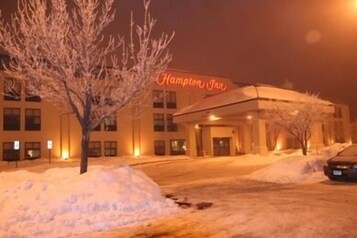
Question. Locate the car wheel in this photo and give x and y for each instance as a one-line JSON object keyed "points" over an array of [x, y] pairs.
{"points": [[332, 178]]}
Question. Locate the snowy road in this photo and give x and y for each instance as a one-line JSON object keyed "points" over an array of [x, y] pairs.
{"points": [[246, 208]]}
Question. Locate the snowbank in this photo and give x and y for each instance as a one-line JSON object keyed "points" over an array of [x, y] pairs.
{"points": [[334, 149], [293, 169], [297, 169], [60, 202]]}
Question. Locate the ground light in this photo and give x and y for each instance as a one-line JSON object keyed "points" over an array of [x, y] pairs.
{"points": [[137, 153], [65, 155]]}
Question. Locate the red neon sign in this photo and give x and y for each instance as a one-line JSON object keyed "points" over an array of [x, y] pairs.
{"points": [[167, 79]]}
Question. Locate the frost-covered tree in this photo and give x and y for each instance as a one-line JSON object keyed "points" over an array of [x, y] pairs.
{"points": [[297, 117], [62, 55], [273, 131]]}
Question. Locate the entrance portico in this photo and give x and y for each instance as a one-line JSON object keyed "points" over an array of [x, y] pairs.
{"points": [[239, 135], [231, 123]]}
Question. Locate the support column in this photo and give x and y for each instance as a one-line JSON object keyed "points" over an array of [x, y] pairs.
{"points": [[246, 135], [317, 138], [259, 136], [191, 140]]}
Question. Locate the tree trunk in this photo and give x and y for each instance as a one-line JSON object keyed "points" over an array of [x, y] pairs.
{"points": [[304, 145], [85, 150], [304, 150]]}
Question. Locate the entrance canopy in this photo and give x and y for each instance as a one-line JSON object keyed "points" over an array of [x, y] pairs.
{"points": [[240, 101], [231, 123]]}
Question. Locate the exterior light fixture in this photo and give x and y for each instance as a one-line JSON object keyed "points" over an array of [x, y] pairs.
{"points": [[213, 118], [65, 155], [249, 117], [49, 147], [16, 145], [137, 152], [17, 148]]}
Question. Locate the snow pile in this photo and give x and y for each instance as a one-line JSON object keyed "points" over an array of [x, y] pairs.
{"points": [[292, 169], [334, 149], [60, 202]]}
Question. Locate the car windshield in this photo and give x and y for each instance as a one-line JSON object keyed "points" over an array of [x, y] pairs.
{"points": [[351, 150]]}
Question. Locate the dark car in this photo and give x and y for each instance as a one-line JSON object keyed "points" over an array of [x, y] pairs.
{"points": [[343, 165]]}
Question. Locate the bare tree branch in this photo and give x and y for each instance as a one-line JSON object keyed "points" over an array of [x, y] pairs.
{"points": [[63, 57], [298, 116]]}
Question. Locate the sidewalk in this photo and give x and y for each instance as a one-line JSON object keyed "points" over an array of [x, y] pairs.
{"points": [[42, 164]]}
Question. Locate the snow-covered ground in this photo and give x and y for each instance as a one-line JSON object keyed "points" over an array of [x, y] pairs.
{"points": [[59, 202], [283, 195]]}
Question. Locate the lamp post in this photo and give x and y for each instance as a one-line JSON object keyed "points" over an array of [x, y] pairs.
{"points": [[16, 148], [49, 147]]}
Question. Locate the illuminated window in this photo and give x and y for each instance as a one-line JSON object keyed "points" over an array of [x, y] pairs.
{"points": [[171, 126], [32, 150], [32, 119], [95, 149], [159, 147], [8, 152], [158, 98], [11, 120], [110, 148], [159, 122], [178, 147], [170, 99], [12, 90], [110, 123]]}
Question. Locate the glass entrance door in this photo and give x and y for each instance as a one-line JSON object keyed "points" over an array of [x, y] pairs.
{"points": [[221, 146]]}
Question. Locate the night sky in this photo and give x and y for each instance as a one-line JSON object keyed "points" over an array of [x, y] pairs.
{"points": [[312, 44]]}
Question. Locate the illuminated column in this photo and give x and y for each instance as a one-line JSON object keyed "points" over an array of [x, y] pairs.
{"points": [[259, 136], [191, 140], [246, 136], [317, 138], [65, 134], [207, 141]]}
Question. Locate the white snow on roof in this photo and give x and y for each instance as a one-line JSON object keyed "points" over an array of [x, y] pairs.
{"points": [[244, 94]]}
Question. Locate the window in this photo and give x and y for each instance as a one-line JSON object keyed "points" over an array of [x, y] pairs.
{"points": [[8, 153], [11, 119], [177, 147], [159, 122], [158, 98], [338, 112], [95, 149], [32, 150], [110, 123], [110, 148], [339, 132], [12, 90], [171, 126], [30, 97], [95, 100], [159, 147], [32, 119], [97, 128], [171, 99]]}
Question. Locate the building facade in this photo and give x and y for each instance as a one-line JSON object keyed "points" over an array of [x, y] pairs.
{"points": [[184, 114], [148, 130]]}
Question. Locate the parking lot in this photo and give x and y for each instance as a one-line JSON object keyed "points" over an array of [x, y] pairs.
{"points": [[245, 208]]}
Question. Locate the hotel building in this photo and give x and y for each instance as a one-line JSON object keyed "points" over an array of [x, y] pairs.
{"points": [[190, 114]]}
